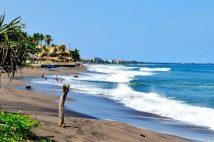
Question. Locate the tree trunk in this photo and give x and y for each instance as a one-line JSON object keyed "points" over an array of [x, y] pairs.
{"points": [[0, 79], [61, 104]]}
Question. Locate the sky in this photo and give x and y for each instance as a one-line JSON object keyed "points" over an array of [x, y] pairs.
{"points": [[143, 30]]}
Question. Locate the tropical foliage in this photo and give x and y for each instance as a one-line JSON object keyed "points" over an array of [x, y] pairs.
{"points": [[15, 45], [36, 38], [16, 127], [75, 54], [48, 40]]}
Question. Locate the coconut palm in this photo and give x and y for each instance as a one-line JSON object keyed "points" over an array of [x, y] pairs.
{"points": [[48, 39], [41, 38], [36, 37], [75, 54]]}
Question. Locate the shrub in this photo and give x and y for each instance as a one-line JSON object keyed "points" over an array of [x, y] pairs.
{"points": [[16, 127]]}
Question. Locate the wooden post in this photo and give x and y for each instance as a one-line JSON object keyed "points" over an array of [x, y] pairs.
{"points": [[61, 104]]}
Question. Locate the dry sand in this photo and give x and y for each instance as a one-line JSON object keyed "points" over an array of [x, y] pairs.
{"points": [[78, 127]]}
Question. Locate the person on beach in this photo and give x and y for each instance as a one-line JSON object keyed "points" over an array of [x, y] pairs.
{"points": [[61, 79], [43, 75]]}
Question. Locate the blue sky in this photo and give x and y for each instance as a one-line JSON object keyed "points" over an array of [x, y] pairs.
{"points": [[145, 30]]}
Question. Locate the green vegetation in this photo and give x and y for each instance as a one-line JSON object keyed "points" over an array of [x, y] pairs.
{"points": [[75, 54], [15, 45], [16, 127], [48, 40]]}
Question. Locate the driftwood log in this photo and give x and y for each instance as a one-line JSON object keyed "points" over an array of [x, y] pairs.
{"points": [[61, 104]]}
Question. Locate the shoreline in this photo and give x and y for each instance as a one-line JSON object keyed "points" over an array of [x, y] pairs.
{"points": [[78, 126]]}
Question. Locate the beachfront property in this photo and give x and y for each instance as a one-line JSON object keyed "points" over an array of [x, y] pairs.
{"points": [[54, 54], [50, 56]]}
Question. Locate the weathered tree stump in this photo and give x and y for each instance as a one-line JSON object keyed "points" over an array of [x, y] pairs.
{"points": [[0, 79], [61, 104]]}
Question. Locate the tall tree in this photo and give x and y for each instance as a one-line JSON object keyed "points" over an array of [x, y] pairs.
{"points": [[41, 38], [75, 54], [36, 38], [48, 40]]}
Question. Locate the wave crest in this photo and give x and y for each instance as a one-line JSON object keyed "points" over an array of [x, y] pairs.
{"points": [[163, 106], [154, 69]]}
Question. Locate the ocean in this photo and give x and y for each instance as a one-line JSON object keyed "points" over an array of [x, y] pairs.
{"points": [[176, 99]]}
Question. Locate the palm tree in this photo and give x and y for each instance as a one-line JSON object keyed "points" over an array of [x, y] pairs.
{"points": [[75, 54], [48, 39], [14, 45], [41, 38], [36, 38]]}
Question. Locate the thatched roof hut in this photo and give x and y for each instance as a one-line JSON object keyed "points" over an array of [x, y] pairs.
{"points": [[58, 53]]}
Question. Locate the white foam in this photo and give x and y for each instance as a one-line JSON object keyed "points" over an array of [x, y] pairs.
{"points": [[154, 69], [50, 82], [154, 103], [114, 73]]}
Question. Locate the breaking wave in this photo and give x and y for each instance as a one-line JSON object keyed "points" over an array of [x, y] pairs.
{"points": [[154, 69]]}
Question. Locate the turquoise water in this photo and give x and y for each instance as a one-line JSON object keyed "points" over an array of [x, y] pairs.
{"points": [[177, 99], [193, 84]]}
